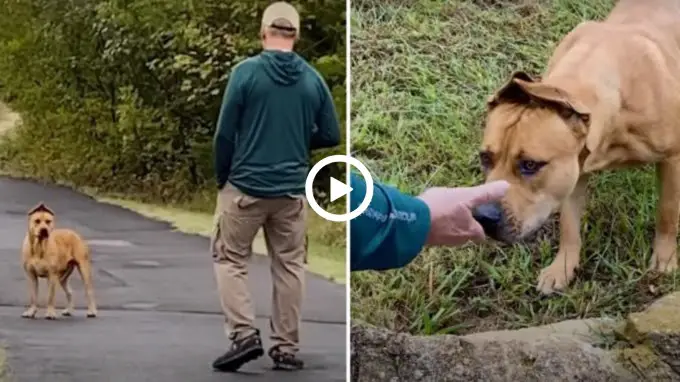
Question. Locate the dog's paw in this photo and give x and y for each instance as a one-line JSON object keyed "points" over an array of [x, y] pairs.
{"points": [[91, 313], [67, 313], [662, 265], [50, 315], [30, 313], [555, 277]]}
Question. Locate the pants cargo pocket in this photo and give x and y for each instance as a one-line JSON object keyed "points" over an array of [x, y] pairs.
{"points": [[244, 202]]}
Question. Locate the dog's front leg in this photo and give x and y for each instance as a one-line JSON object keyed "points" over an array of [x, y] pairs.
{"points": [[561, 271], [664, 257], [32, 279], [52, 281]]}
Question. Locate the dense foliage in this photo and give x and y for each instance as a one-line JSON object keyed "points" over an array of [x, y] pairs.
{"points": [[123, 95]]}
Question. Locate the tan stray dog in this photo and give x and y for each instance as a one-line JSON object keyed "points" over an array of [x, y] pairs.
{"points": [[53, 254], [609, 98]]}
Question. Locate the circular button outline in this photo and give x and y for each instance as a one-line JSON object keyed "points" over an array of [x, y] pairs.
{"points": [[309, 191]]}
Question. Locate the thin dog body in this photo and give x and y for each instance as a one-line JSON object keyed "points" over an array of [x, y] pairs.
{"points": [[53, 254], [609, 98]]}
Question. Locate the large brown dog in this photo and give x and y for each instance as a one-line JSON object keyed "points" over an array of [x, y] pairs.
{"points": [[609, 98], [53, 254]]}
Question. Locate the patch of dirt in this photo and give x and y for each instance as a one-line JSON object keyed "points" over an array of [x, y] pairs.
{"points": [[8, 119]]}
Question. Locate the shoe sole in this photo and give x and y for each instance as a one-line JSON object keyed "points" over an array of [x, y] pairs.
{"points": [[236, 362]]}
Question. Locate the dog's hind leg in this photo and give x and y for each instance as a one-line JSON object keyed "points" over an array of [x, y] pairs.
{"points": [[664, 257], [32, 279], [63, 281], [86, 274], [52, 281]]}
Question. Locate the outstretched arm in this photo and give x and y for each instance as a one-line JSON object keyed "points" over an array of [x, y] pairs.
{"points": [[391, 232]]}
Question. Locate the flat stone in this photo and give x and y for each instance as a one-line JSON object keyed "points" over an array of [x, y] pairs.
{"points": [[663, 316], [566, 351], [655, 334], [381, 355], [589, 330]]}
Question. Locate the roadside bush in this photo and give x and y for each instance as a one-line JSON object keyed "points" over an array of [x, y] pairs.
{"points": [[123, 96]]}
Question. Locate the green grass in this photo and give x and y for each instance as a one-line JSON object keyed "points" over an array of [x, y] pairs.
{"points": [[421, 72]]}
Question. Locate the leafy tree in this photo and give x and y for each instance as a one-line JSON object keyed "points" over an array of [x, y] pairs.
{"points": [[123, 95]]}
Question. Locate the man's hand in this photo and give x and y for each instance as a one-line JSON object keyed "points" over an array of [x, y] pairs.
{"points": [[451, 218]]}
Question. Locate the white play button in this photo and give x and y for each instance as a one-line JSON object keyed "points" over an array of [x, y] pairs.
{"points": [[338, 189]]}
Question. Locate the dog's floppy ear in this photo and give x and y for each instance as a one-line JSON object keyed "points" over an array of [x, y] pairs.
{"points": [[523, 89], [41, 207], [511, 91], [567, 105]]}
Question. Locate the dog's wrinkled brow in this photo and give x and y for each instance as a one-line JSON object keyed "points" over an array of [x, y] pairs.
{"points": [[507, 115]]}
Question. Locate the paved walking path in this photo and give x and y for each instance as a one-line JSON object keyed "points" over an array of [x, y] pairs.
{"points": [[159, 317]]}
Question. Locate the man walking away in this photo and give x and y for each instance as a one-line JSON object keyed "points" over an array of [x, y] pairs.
{"points": [[276, 108]]}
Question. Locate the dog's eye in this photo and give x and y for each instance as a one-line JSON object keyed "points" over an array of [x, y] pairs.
{"points": [[485, 159], [37, 221], [530, 167], [48, 221]]}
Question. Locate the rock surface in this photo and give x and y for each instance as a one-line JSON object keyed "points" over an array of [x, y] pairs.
{"points": [[655, 338], [568, 351]]}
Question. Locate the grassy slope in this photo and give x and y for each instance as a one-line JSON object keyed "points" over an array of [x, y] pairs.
{"points": [[421, 71]]}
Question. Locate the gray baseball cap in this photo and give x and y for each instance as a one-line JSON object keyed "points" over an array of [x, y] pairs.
{"points": [[281, 11]]}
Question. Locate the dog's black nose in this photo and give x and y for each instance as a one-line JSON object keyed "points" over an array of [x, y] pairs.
{"points": [[43, 232], [490, 217]]}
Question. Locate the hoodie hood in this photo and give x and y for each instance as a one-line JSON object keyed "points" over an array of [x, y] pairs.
{"points": [[284, 68]]}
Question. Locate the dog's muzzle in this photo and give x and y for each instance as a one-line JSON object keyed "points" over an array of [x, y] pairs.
{"points": [[43, 233]]}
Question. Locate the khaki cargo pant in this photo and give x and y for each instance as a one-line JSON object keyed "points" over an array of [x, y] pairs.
{"points": [[238, 218]]}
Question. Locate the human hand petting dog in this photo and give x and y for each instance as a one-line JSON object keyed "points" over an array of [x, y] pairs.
{"points": [[452, 222]]}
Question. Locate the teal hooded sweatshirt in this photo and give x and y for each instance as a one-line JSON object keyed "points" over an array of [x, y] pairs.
{"points": [[276, 109], [391, 232]]}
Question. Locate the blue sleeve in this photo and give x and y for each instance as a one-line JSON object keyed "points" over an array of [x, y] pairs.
{"points": [[227, 125], [391, 232]]}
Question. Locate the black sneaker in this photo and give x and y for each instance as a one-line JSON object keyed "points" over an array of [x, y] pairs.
{"points": [[242, 351], [285, 361]]}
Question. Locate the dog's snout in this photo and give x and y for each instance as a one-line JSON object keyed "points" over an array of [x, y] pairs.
{"points": [[490, 217], [43, 232]]}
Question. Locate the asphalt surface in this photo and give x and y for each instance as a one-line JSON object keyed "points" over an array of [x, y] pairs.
{"points": [[159, 316]]}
